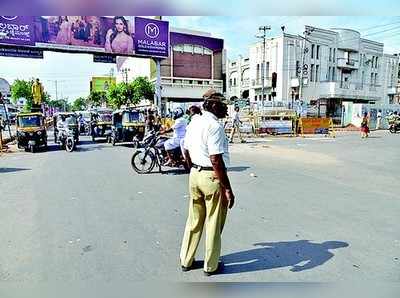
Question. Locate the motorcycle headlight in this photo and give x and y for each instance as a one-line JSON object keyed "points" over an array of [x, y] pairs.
{"points": [[39, 133], [130, 128], [31, 134]]}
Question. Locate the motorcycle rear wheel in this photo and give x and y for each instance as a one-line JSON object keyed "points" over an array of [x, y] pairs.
{"points": [[142, 164]]}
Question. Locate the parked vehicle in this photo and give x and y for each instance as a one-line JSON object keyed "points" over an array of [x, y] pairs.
{"points": [[152, 153], [100, 126], [31, 131], [127, 126]]}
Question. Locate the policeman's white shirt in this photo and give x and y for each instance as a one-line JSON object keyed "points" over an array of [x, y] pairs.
{"points": [[179, 128], [379, 115], [205, 136]]}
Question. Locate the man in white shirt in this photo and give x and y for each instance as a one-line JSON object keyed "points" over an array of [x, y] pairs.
{"points": [[206, 151], [179, 129], [236, 126], [378, 120]]}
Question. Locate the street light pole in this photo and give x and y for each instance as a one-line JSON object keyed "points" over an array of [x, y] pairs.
{"points": [[304, 51], [263, 31]]}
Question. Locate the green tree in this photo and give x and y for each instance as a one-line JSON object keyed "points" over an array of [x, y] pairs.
{"points": [[97, 98], [142, 89], [22, 89], [61, 104], [79, 104], [131, 93]]}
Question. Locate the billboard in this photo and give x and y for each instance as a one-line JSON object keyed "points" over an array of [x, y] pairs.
{"points": [[102, 83], [94, 34]]}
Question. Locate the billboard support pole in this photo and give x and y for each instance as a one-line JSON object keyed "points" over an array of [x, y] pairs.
{"points": [[158, 86]]}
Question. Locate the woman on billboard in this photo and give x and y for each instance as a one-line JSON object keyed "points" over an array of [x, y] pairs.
{"points": [[65, 33], [118, 38]]}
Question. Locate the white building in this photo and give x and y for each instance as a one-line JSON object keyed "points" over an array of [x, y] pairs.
{"points": [[238, 78], [324, 69]]}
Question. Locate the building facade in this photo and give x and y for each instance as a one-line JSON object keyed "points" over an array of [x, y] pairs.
{"points": [[238, 78], [322, 70], [196, 63]]}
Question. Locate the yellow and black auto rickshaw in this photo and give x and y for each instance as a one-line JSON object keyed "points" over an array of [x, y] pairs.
{"points": [[101, 125], [31, 131], [127, 126]]}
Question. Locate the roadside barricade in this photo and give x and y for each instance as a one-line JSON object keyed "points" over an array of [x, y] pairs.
{"points": [[316, 126]]}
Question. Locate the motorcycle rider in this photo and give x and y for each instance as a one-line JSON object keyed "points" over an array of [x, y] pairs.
{"points": [[179, 129], [62, 126]]}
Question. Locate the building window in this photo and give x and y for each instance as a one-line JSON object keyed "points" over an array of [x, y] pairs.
{"points": [[269, 97], [255, 97], [258, 72], [372, 79], [234, 82], [312, 73], [318, 47], [334, 55], [328, 75], [333, 74], [330, 54], [376, 79], [391, 99], [298, 69], [267, 70], [230, 82], [317, 73], [376, 62], [312, 51]]}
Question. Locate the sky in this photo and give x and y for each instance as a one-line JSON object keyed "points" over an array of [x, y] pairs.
{"points": [[73, 71]]}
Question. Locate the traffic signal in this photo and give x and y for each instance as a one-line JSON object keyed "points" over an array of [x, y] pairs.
{"points": [[274, 78]]}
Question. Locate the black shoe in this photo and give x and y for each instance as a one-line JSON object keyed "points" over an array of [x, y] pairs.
{"points": [[219, 270], [195, 265]]}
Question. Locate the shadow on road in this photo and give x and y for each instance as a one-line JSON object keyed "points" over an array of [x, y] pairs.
{"points": [[238, 169], [299, 255], [10, 170]]}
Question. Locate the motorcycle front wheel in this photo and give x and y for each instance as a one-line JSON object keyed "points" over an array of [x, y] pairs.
{"points": [[392, 129], [70, 145], [142, 162]]}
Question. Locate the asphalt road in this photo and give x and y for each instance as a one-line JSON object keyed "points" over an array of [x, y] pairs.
{"points": [[314, 209]]}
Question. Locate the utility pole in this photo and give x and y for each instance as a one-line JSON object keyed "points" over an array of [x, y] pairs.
{"points": [[125, 72], [304, 67], [263, 34]]}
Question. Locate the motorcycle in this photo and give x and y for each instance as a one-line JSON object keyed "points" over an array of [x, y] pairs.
{"points": [[67, 140], [151, 153], [394, 126]]}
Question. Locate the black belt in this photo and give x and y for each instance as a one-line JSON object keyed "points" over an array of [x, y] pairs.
{"points": [[201, 168]]}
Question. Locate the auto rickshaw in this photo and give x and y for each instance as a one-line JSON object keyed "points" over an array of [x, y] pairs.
{"points": [[31, 131], [72, 121], [101, 125], [127, 126]]}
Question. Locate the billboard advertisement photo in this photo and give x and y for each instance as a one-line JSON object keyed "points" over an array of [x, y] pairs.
{"points": [[93, 34]]}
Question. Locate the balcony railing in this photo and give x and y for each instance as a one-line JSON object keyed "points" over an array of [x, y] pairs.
{"points": [[347, 63], [258, 82]]}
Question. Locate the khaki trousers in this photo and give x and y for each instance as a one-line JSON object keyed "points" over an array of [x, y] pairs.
{"points": [[235, 127], [207, 206]]}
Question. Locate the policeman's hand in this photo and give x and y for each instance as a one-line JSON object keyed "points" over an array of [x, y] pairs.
{"points": [[230, 197]]}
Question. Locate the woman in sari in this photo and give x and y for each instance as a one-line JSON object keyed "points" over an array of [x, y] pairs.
{"points": [[364, 126], [64, 34]]}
